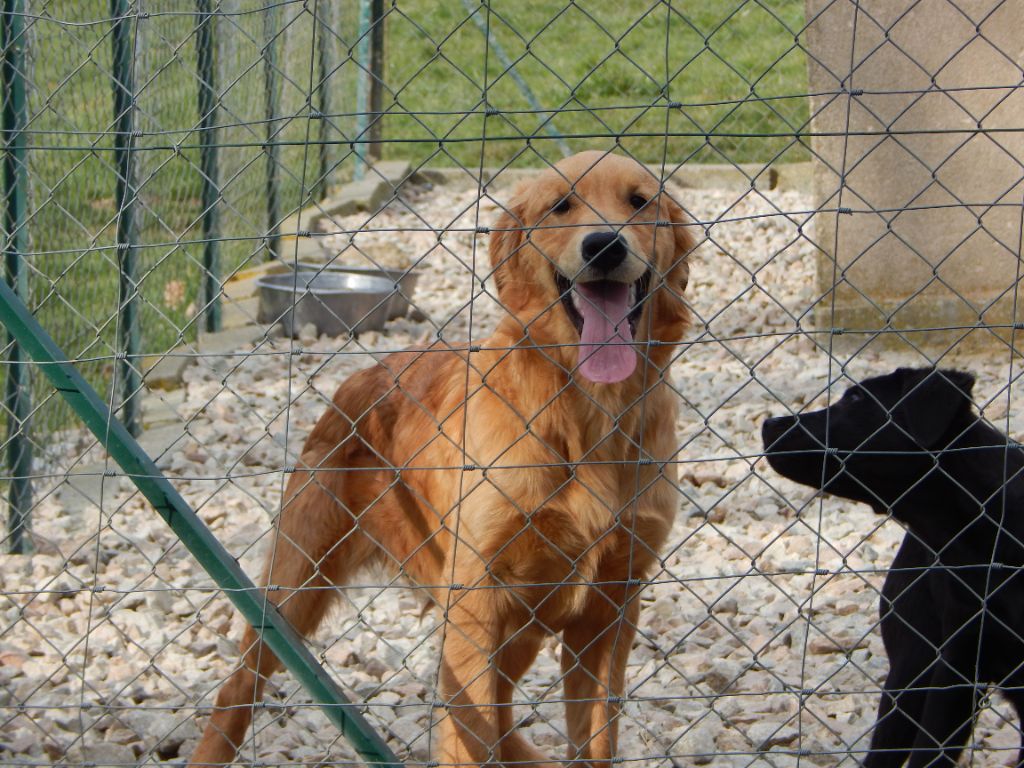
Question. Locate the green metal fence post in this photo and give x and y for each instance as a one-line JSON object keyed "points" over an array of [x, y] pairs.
{"points": [[18, 394], [319, 190], [270, 76], [362, 89], [275, 631], [127, 235], [370, 85], [205, 42], [376, 78]]}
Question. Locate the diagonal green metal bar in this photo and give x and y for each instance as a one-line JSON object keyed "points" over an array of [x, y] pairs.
{"points": [[275, 631], [511, 71]]}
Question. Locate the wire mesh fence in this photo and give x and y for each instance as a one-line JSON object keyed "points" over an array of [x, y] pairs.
{"points": [[522, 559]]}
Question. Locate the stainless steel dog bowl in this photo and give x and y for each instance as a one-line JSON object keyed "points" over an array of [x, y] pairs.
{"points": [[403, 282], [335, 302]]}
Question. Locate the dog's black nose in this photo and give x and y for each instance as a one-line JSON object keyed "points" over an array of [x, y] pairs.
{"points": [[774, 428], [603, 251]]}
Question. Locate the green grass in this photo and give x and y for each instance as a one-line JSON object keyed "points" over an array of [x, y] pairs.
{"points": [[605, 64], [73, 174], [73, 171], [606, 70]]}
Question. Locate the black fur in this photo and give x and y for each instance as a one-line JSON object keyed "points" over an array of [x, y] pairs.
{"points": [[952, 610]]}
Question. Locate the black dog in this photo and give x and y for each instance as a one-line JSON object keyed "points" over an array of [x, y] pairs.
{"points": [[952, 610]]}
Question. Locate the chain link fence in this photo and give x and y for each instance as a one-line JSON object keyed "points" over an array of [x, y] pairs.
{"points": [[852, 175]]}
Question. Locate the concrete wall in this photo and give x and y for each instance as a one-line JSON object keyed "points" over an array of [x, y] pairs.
{"points": [[952, 259]]}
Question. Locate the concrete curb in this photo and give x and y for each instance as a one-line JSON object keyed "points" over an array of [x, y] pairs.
{"points": [[744, 176], [380, 184]]}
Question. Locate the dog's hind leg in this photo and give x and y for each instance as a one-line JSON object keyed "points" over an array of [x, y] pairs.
{"points": [[315, 541]]}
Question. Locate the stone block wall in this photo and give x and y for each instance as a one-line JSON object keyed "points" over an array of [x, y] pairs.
{"points": [[918, 134]]}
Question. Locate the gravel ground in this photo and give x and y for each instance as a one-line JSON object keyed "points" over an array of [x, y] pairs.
{"points": [[758, 643]]}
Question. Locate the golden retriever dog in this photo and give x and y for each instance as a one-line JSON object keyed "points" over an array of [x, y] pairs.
{"points": [[527, 484]]}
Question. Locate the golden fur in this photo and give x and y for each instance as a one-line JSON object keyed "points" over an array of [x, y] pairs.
{"points": [[543, 532]]}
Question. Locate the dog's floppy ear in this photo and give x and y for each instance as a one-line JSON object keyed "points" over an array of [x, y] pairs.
{"points": [[685, 241], [932, 400], [672, 314], [506, 242]]}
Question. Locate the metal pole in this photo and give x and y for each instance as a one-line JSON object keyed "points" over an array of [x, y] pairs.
{"points": [[18, 394], [323, 106], [362, 90], [376, 78], [127, 235], [270, 77], [262, 615], [205, 42]]}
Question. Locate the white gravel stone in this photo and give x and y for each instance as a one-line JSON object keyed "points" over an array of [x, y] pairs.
{"points": [[697, 743]]}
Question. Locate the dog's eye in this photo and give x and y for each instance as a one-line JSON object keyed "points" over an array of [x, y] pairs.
{"points": [[638, 201], [562, 206], [854, 396]]}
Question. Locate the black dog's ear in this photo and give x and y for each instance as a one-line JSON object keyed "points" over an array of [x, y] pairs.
{"points": [[932, 399]]}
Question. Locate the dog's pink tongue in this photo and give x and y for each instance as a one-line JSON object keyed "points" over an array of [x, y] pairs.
{"points": [[606, 354]]}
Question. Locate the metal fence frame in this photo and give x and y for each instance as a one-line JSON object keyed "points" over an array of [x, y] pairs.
{"points": [[279, 237]]}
